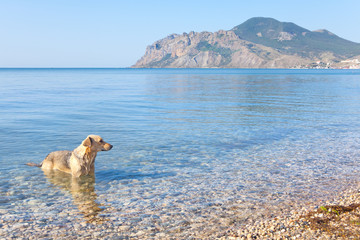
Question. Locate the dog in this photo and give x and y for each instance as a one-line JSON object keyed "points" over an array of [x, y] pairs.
{"points": [[80, 161]]}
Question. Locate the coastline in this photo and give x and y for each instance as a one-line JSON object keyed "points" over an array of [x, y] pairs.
{"points": [[337, 218]]}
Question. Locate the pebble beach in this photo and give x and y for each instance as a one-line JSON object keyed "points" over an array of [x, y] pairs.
{"points": [[336, 218]]}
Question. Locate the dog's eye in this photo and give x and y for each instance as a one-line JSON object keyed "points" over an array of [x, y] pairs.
{"points": [[101, 140]]}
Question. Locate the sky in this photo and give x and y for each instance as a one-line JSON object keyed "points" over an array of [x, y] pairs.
{"points": [[115, 33]]}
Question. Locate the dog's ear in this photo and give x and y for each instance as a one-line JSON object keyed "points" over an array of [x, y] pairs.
{"points": [[87, 142]]}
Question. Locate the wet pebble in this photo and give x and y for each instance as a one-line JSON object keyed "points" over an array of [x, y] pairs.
{"points": [[223, 221]]}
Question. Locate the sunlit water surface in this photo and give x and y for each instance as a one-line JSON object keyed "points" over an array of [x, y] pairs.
{"points": [[195, 151]]}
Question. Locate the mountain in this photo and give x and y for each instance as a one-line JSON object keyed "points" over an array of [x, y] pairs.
{"points": [[257, 43], [292, 39]]}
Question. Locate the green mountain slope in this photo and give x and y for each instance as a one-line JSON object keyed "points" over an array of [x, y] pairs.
{"points": [[291, 39]]}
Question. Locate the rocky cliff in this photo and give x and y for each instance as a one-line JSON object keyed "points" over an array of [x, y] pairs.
{"points": [[257, 43]]}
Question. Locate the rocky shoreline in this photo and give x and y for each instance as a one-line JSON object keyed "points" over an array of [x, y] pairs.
{"points": [[335, 219], [338, 218]]}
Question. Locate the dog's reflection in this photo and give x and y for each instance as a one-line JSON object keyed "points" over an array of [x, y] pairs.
{"points": [[82, 190]]}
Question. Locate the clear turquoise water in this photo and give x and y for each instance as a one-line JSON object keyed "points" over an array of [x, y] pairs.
{"points": [[189, 145]]}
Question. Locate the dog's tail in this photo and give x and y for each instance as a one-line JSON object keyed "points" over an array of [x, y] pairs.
{"points": [[34, 164]]}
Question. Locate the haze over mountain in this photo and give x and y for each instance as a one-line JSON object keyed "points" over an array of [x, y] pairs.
{"points": [[257, 43]]}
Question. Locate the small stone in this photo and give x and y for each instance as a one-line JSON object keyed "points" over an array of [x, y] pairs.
{"points": [[123, 228]]}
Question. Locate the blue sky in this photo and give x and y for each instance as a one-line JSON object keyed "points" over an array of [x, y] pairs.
{"points": [[115, 33]]}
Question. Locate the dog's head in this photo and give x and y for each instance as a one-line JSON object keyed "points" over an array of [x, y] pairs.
{"points": [[96, 143]]}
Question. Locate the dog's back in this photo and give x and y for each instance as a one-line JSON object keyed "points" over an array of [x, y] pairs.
{"points": [[59, 160]]}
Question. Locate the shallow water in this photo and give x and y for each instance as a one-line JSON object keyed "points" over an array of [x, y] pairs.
{"points": [[195, 151]]}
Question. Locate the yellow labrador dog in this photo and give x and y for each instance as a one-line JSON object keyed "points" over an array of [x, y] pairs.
{"points": [[80, 161]]}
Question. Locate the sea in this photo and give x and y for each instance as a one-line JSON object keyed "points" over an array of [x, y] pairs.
{"points": [[196, 151]]}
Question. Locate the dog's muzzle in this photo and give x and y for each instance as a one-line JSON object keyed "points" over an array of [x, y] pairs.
{"points": [[107, 147]]}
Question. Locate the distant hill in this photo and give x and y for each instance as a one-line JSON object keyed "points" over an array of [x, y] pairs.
{"points": [[257, 43], [290, 38]]}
